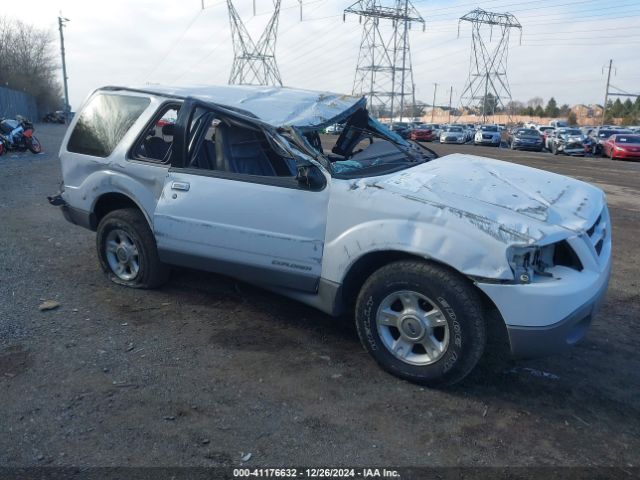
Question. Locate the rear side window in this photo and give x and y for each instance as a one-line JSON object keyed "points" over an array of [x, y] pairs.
{"points": [[103, 123]]}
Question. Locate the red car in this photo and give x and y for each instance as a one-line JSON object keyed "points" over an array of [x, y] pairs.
{"points": [[423, 133], [622, 146]]}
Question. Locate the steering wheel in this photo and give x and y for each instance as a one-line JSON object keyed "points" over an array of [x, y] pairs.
{"points": [[362, 137]]}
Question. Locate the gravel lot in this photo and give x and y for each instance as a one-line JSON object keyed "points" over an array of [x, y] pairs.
{"points": [[208, 369]]}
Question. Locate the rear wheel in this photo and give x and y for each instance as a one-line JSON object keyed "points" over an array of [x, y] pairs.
{"points": [[34, 145], [421, 322], [127, 250]]}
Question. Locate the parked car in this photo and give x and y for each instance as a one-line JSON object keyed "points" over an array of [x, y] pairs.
{"points": [[470, 131], [569, 141], [488, 135], [401, 128], [425, 251], [558, 124], [543, 129], [54, 117], [334, 129], [524, 139], [423, 133], [601, 135], [622, 146], [453, 134]]}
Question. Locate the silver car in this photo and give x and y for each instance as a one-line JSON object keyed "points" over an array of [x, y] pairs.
{"points": [[453, 134], [424, 252], [488, 135]]}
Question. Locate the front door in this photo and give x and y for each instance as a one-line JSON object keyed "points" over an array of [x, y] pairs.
{"points": [[233, 205]]}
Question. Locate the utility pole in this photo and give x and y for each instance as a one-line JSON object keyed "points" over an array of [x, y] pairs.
{"points": [[300, 2], [450, 96], [606, 93], [433, 104], [67, 107]]}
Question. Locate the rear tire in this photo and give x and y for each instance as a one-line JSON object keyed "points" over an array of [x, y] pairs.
{"points": [[127, 250], [421, 322]]}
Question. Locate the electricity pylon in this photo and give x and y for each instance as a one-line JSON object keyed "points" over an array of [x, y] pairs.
{"points": [[487, 83], [254, 63], [384, 73]]}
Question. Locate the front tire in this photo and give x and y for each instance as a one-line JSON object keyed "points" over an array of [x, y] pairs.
{"points": [[127, 250], [34, 145], [421, 322]]}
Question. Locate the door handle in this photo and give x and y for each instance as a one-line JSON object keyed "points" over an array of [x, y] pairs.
{"points": [[184, 186]]}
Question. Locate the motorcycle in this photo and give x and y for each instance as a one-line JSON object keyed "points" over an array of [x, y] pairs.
{"points": [[17, 135]]}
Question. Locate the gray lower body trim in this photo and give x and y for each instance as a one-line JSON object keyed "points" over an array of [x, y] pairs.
{"points": [[531, 342], [78, 217], [248, 273], [327, 299]]}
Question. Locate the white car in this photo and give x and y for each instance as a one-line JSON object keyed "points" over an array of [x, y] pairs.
{"points": [[453, 134], [488, 135], [425, 252]]}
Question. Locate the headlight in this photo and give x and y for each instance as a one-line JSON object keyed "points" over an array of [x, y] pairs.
{"points": [[529, 261]]}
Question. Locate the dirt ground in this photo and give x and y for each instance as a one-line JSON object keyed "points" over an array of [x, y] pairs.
{"points": [[207, 369]]}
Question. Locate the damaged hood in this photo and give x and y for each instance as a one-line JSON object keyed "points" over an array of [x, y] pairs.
{"points": [[276, 106], [512, 203]]}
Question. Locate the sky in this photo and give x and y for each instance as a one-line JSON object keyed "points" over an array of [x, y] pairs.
{"points": [[565, 44]]}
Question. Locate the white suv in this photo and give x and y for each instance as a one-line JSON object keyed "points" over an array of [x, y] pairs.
{"points": [[421, 249]]}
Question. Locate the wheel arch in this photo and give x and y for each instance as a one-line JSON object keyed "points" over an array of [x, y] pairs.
{"points": [[364, 267], [108, 202]]}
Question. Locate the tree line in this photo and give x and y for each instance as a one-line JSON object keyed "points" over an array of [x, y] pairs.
{"points": [[28, 63]]}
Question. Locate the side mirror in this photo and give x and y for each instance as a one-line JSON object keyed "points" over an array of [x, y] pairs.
{"points": [[310, 177]]}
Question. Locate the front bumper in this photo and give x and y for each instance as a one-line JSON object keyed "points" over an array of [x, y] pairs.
{"points": [[527, 146], [572, 149], [531, 342], [626, 154], [452, 140], [550, 314], [487, 141]]}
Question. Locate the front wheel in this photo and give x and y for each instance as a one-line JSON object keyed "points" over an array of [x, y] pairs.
{"points": [[127, 250], [34, 145], [421, 322]]}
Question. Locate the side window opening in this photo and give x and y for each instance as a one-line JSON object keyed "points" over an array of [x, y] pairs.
{"points": [[230, 147], [158, 139], [103, 122]]}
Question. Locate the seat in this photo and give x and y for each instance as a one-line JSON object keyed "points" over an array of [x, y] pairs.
{"points": [[206, 158], [240, 150], [156, 148]]}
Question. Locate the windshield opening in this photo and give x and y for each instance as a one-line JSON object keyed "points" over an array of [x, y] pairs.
{"points": [[489, 128], [366, 147]]}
